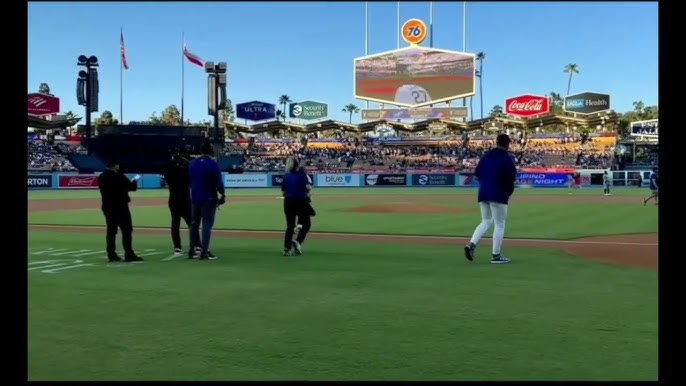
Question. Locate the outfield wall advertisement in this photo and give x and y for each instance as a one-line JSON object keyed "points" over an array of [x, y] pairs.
{"points": [[548, 179]]}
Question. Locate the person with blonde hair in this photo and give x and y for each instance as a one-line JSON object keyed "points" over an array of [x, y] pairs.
{"points": [[296, 206]]}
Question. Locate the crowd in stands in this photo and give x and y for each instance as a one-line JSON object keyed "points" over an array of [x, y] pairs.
{"points": [[43, 157], [563, 151]]}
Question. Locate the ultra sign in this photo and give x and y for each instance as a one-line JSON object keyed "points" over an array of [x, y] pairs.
{"points": [[255, 111]]}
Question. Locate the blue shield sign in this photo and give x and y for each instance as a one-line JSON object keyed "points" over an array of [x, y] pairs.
{"points": [[255, 111]]}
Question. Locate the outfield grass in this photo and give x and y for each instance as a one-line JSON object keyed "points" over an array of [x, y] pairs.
{"points": [[344, 311], [530, 219]]}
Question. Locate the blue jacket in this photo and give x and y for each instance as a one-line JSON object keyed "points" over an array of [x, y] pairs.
{"points": [[496, 173], [653, 181], [206, 180], [294, 185]]}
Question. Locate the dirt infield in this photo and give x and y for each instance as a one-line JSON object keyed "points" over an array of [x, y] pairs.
{"points": [[406, 208], [630, 250]]}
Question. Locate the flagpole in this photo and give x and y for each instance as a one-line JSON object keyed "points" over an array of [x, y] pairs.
{"points": [[366, 37], [397, 25], [431, 24], [121, 79], [183, 72]]}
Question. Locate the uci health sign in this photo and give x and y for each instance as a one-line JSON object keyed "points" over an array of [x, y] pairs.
{"points": [[308, 110], [255, 111], [587, 103]]}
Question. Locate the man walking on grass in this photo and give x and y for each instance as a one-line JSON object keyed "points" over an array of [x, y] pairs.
{"points": [[496, 173]]}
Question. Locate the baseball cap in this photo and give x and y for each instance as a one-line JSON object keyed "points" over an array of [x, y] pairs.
{"points": [[502, 140]]}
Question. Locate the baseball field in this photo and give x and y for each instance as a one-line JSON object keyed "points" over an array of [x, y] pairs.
{"points": [[382, 292]]}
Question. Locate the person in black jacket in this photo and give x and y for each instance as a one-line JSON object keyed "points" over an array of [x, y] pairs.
{"points": [[497, 173], [178, 181], [114, 190], [296, 205]]}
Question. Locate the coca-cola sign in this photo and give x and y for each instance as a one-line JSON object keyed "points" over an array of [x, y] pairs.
{"points": [[527, 106]]}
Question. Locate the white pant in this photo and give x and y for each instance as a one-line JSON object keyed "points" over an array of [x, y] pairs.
{"points": [[491, 212]]}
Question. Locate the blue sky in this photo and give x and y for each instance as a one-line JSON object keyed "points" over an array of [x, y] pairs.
{"points": [[306, 50]]}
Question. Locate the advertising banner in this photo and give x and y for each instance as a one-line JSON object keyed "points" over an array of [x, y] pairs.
{"points": [[536, 180], [527, 106], [385, 179], [419, 113], [35, 181], [340, 180], [308, 110], [647, 128], [246, 180], [277, 179], [586, 103], [433, 179], [78, 182], [255, 111], [42, 104]]}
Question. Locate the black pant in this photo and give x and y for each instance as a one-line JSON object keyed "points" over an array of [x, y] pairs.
{"points": [[118, 218], [179, 210], [300, 209]]}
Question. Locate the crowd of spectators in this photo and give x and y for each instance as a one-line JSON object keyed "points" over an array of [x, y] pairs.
{"points": [[44, 157], [454, 154]]}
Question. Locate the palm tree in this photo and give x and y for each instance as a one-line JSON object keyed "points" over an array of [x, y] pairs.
{"points": [[480, 58], [571, 69], [351, 109], [284, 100], [556, 103]]}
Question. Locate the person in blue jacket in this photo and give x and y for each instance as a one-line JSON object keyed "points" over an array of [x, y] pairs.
{"points": [[496, 173], [207, 192], [296, 187], [653, 188]]}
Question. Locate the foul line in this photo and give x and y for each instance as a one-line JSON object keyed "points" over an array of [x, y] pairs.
{"points": [[381, 235]]}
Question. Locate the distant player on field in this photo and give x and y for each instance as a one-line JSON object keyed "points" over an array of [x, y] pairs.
{"points": [[606, 184], [574, 182], [653, 187]]}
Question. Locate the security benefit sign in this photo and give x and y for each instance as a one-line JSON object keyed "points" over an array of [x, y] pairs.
{"points": [[308, 110], [433, 180], [586, 103], [246, 180], [255, 111], [385, 180], [340, 180], [38, 181]]}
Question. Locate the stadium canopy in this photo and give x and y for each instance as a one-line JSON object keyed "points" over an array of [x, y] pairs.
{"points": [[44, 124], [605, 119]]}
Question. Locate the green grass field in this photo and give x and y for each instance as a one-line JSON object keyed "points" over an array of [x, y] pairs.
{"points": [[345, 310]]}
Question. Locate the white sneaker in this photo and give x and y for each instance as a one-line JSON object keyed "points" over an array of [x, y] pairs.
{"points": [[297, 247]]}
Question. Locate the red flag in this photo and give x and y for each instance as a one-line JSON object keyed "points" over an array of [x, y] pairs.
{"points": [[193, 58], [124, 61]]}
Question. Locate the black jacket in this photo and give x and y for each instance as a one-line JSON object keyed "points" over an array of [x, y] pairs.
{"points": [[114, 190], [178, 180]]}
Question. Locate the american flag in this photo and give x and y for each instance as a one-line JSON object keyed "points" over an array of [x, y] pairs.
{"points": [[124, 61], [193, 58]]}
